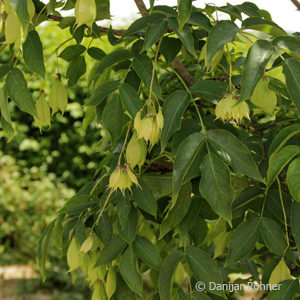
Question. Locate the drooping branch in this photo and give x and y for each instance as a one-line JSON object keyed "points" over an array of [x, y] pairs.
{"points": [[296, 3], [176, 64]]}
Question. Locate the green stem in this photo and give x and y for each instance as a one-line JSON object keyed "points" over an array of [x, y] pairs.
{"points": [[124, 144], [230, 68]]}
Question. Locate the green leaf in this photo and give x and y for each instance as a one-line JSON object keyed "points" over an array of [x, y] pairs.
{"points": [[169, 48], [184, 12], [293, 179], [130, 99], [123, 207], [166, 273], [33, 53], [273, 236], [154, 32], [279, 160], [129, 271], [221, 34], [128, 233], [177, 213], [104, 228], [184, 35], [291, 70], [282, 137], [173, 110], [71, 52], [199, 19], [210, 90], [75, 70], [288, 290], [80, 231], [111, 59], [249, 9], [196, 296], [4, 69], [254, 66], [295, 223], [103, 9], [243, 240], [235, 152], [43, 248], [113, 117], [142, 65], [20, 6], [103, 91], [204, 268], [160, 184], [4, 106], [263, 25], [147, 252], [289, 44], [144, 198], [142, 23], [17, 90], [215, 186], [111, 250], [8, 129], [186, 154], [96, 53]]}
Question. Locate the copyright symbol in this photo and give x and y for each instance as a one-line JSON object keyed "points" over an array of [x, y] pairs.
{"points": [[200, 286]]}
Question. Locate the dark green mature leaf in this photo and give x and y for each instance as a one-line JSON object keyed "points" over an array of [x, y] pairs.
{"points": [[166, 273], [273, 236], [293, 179], [186, 154], [223, 32], [103, 9], [154, 32], [210, 90], [113, 117], [4, 69], [43, 248], [143, 66], [263, 25], [75, 70], [235, 152], [103, 91], [243, 240], [20, 6], [184, 35], [254, 66], [142, 23], [77, 204], [130, 99], [291, 70], [80, 231], [17, 90], [144, 198], [160, 184], [288, 290], [200, 19], [96, 53], [184, 12], [33, 53], [128, 233], [71, 52], [295, 222], [215, 186], [196, 296], [123, 207], [129, 271], [169, 48], [111, 250], [204, 268], [173, 109], [111, 59], [289, 44], [147, 252], [279, 160], [282, 137], [249, 9], [104, 228], [177, 213]]}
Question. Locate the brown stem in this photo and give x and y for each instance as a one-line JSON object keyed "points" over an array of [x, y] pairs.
{"points": [[176, 64], [296, 3]]}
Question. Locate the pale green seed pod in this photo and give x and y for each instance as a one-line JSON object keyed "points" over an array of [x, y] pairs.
{"points": [[31, 9], [43, 112], [99, 292], [85, 12], [87, 244], [135, 152], [12, 29], [154, 134], [111, 282], [132, 177], [145, 129], [114, 178], [73, 257], [160, 119], [137, 121], [58, 97]]}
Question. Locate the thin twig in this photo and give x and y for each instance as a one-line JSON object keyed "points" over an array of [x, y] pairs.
{"points": [[296, 3]]}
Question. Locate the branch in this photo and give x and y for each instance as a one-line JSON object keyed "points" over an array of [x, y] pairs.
{"points": [[296, 3], [176, 64], [118, 32]]}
